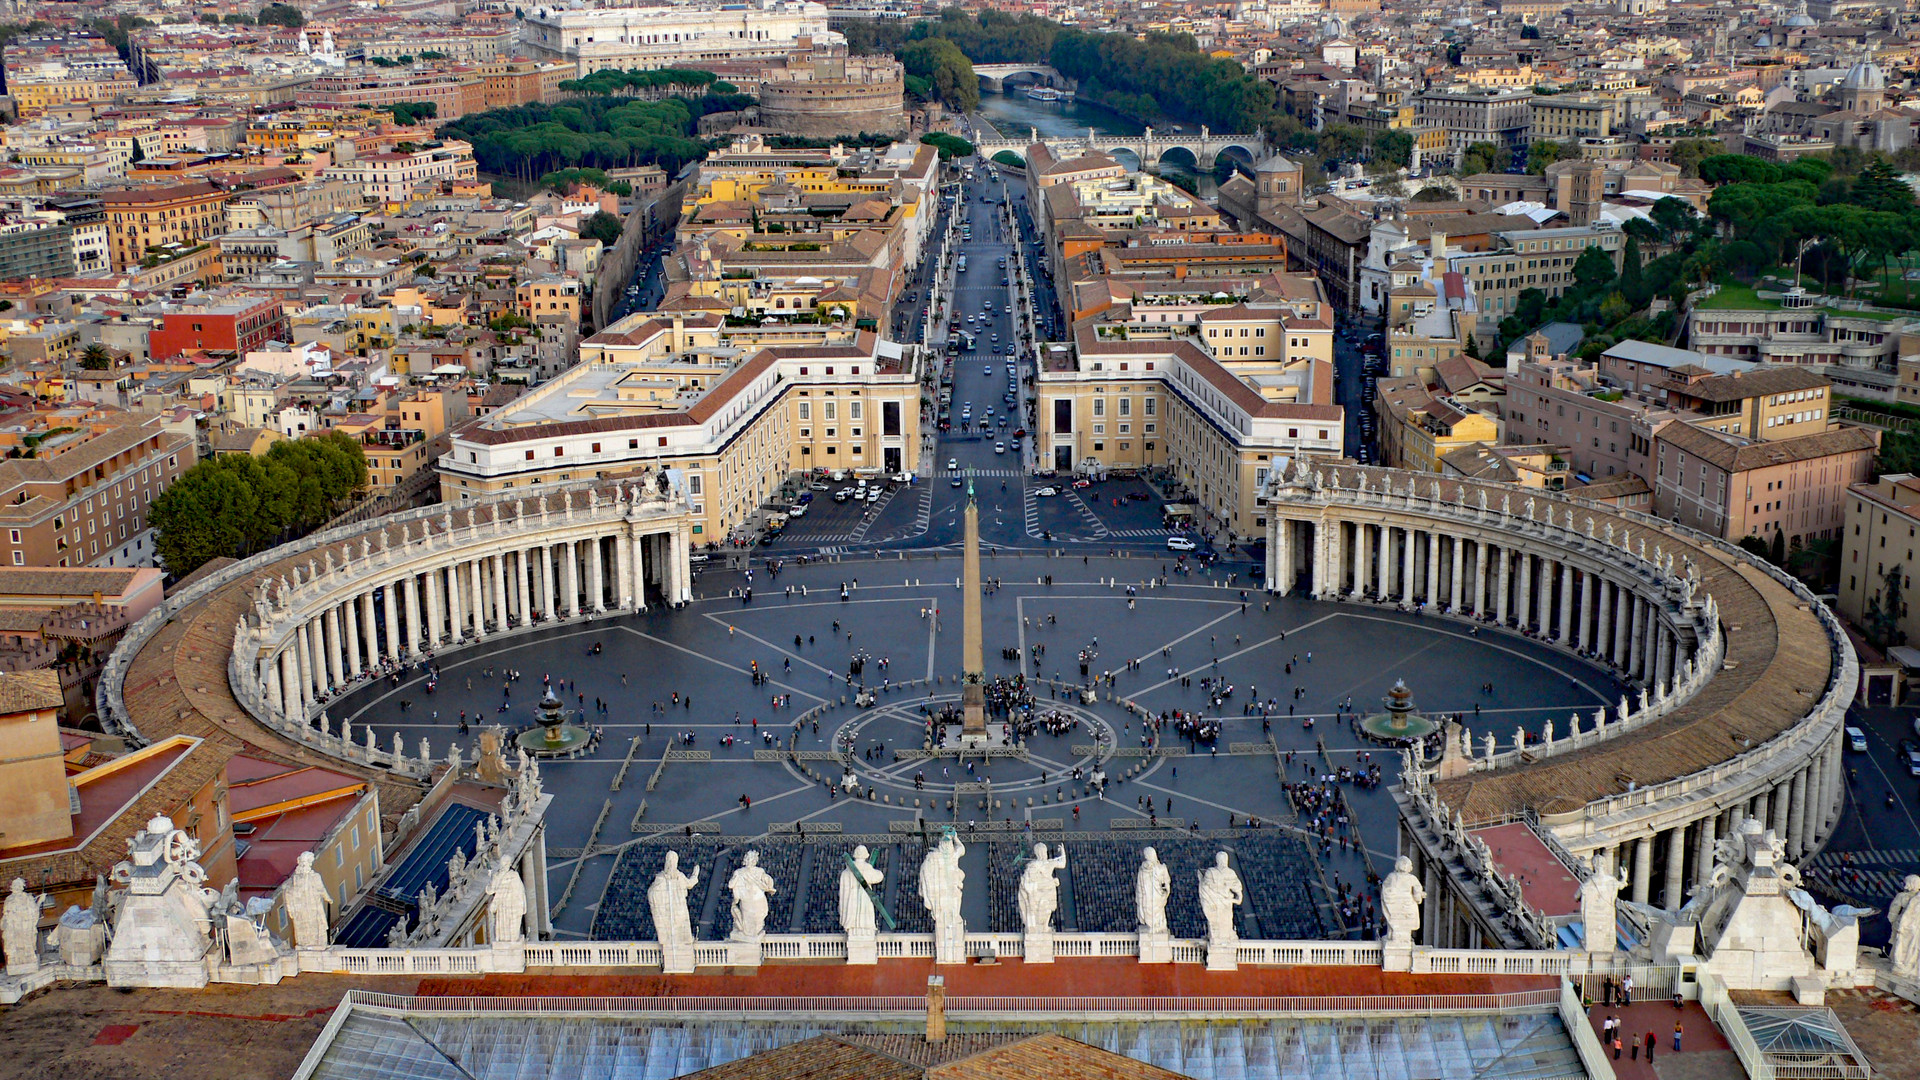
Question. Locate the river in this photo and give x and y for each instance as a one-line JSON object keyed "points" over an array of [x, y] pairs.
{"points": [[1018, 116]]}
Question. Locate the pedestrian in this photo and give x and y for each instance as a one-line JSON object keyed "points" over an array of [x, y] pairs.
{"points": [[1616, 1048], [1676, 1036], [1626, 985], [1649, 1043]]}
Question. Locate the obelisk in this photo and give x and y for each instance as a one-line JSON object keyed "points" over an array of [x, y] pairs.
{"points": [[973, 696]]}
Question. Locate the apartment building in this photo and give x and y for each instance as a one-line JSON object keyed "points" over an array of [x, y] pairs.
{"points": [[731, 420], [1219, 424], [1735, 486], [1498, 115], [391, 177], [550, 296], [83, 498], [1559, 117], [224, 325], [1796, 327], [280, 811], [144, 218], [591, 39], [1881, 536]]}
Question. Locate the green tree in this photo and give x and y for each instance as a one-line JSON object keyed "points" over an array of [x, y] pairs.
{"points": [[1884, 612], [1394, 147], [235, 505], [603, 227], [95, 357], [950, 146], [1879, 187], [1433, 193], [281, 15], [1008, 157], [1482, 157], [947, 69], [1632, 278], [1688, 153], [1543, 153]]}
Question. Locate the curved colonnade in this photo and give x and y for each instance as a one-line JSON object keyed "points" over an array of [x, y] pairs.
{"points": [[313, 619], [1743, 677]]}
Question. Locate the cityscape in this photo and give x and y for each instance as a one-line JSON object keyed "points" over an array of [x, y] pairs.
{"points": [[513, 571]]}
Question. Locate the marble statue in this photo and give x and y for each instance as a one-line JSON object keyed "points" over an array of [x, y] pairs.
{"points": [[1598, 895], [307, 901], [856, 901], [667, 896], [750, 887], [20, 929], [1220, 892], [1039, 893], [1152, 884], [941, 884], [1903, 950], [1401, 895], [508, 904]]}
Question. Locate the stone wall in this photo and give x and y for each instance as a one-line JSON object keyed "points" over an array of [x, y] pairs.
{"points": [[831, 108]]}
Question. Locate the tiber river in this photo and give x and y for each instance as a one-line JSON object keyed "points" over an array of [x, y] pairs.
{"points": [[1016, 115]]}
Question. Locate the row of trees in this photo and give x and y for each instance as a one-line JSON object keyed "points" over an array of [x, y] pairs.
{"points": [[945, 71], [527, 141], [408, 113], [660, 82], [565, 181], [236, 505], [1854, 220]]}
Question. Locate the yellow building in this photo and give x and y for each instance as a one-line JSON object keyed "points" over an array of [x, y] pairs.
{"points": [[551, 296], [1439, 428], [1219, 425], [734, 418]]}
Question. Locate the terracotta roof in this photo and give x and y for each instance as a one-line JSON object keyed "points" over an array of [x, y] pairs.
{"points": [[1746, 384], [1735, 454], [26, 691]]}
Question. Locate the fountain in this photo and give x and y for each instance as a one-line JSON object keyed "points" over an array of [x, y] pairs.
{"points": [[1401, 722], [555, 735]]}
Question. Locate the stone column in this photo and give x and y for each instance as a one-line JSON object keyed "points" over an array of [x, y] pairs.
{"points": [[518, 557], [548, 599], [456, 608], [1459, 552], [411, 594], [1779, 804], [597, 574], [1663, 655], [1362, 565], [1480, 577], [1622, 626], [623, 570], [392, 652], [350, 634], [500, 602], [290, 699], [1676, 845], [570, 578], [1526, 589], [1432, 593], [1636, 622], [1583, 636], [1642, 869], [1703, 850], [303, 654], [336, 653], [640, 572], [436, 632], [369, 633], [270, 687], [1797, 815], [1406, 567], [476, 577], [1506, 583], [1566, 603], [1603, 624], [682, 547]]}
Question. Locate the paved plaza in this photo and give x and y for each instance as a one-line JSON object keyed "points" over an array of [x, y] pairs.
{"points": [[899, 621]]}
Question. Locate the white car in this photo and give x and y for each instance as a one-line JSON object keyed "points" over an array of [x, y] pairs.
{"points": [[1047, 491], [999, 448], [1856, 740], [953, 464], [838, 476], [799, 510], [1182, 543], [873, 494]]}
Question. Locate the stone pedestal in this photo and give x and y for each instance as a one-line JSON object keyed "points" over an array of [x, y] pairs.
{"points": [[950, 944], [510, 957], [863, 949], [1037, 948], [676, 959], [1223, 956], [81, 937], [1156, 947], [973, 715], [160, 937], [1396, 957], [744, 953], [247, 943]]}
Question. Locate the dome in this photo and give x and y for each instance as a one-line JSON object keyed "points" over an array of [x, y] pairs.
{"points": [[1865, 75], [1802, 21], [1333, 27], [1764, 41]]}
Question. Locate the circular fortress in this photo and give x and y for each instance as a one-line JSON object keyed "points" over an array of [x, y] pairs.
{"points": [[836, 96]]}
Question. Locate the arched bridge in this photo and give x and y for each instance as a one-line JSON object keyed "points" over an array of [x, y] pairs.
{"points": [[1150, 148], [994, 77]]}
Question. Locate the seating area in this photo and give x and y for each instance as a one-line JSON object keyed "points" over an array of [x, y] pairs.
{"points": [[823, 883], [623, 914], [393, 898], [1282, 881]]}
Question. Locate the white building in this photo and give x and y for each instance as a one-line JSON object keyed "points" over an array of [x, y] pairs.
{"points": [[673, 35]]}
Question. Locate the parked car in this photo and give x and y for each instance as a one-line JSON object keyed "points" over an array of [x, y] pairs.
{"points": [[843, 495], [1082, 482], [820, 485]]}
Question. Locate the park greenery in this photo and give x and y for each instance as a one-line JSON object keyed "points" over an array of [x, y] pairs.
{"points": [[408, 113], [281, 15], [655, 84], [1851, 212], [1159, 78], [528, 141], [603, 227], [566, 181], [1008, 157], [950, 146], [235, 505]]}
